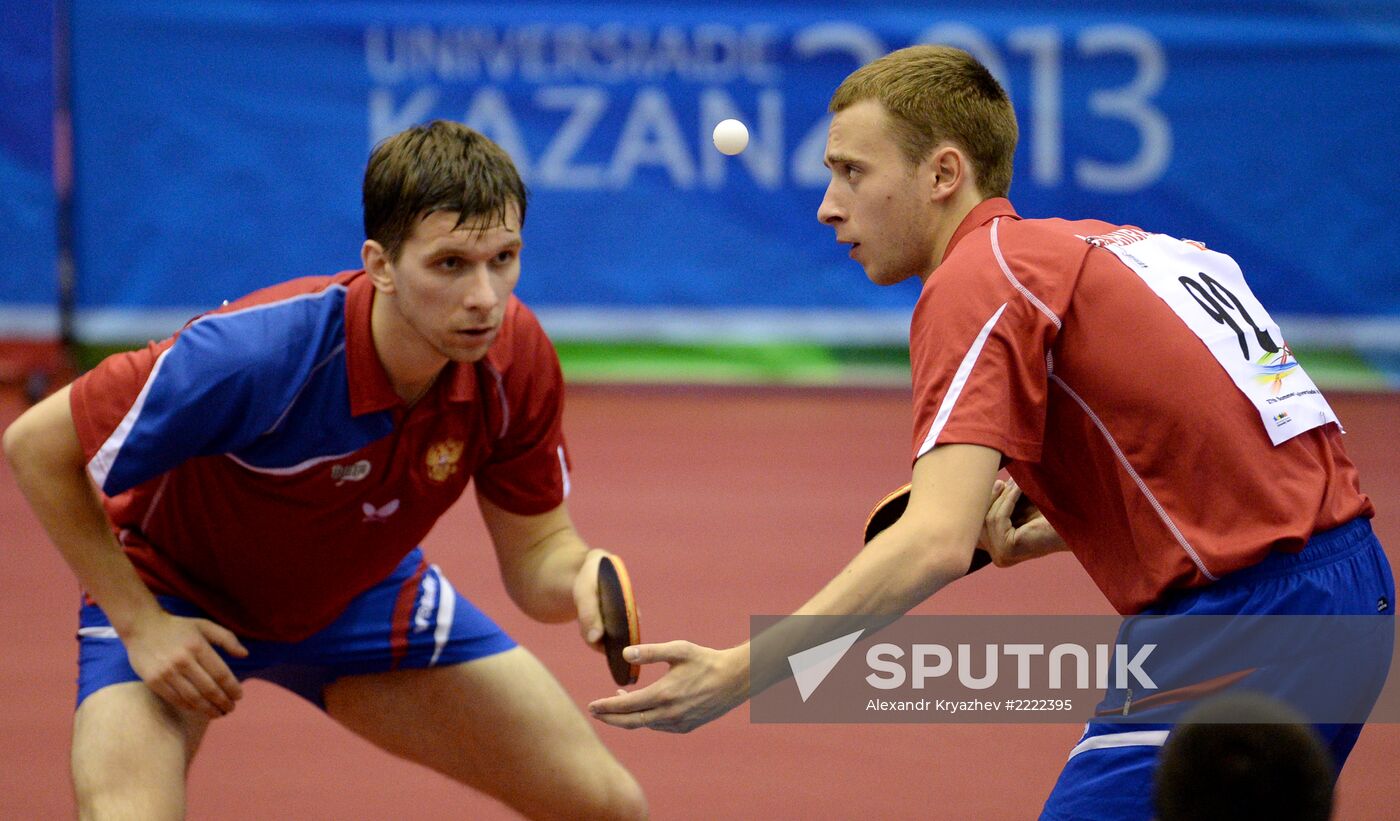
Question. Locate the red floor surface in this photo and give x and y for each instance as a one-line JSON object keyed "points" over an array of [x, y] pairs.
{"points": [[724, 503]]}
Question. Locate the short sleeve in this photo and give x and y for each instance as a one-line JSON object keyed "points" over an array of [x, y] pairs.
{"points": [[142, 413], [979, 348], [528, 471]]}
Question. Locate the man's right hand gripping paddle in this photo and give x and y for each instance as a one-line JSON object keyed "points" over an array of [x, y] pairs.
{"points": [[619, 612]]}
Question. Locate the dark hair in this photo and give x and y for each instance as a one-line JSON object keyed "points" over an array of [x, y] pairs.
{"points": [[1244, 756], [439, 166], [936, 94]]}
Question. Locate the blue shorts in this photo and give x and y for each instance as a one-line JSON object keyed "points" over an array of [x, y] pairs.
{"points": [[1343, 571], [412, 619]]}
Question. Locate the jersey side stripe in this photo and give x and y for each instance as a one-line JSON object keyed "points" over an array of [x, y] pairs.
{"points": [[155, 502], [1142, 486], [1132, 738], [446, 610], [955, 389], [100, 466]]}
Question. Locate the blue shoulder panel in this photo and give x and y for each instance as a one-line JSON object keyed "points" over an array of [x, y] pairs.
{"points": [[267, 383]]}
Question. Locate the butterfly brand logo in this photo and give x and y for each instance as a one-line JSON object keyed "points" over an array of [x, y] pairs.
{"points": [[380, 514]]}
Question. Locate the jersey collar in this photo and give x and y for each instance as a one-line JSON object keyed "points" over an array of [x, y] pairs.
{"points": [[983, 213], [370, 388]]}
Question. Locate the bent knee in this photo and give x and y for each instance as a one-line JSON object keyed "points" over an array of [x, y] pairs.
{"points": [[126, 802], [130, 755], [629, 800], [617, 798], [107, 793]]}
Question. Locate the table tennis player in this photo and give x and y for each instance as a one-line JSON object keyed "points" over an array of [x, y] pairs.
{"points": [[1129, 382], [264, 477]]}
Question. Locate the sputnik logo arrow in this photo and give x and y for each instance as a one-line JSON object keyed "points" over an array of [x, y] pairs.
{"points": [[811, 666]]}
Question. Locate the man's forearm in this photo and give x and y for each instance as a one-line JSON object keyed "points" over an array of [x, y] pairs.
{"points": [[545, 587], [895, 572], [48, 468], [927, 548]]}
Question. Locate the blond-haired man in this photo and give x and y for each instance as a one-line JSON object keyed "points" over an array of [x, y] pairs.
{"points": [[1026, 346]]}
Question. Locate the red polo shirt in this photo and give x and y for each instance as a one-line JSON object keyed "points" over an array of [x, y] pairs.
{"points": [[1110, 413], [259, 463]]}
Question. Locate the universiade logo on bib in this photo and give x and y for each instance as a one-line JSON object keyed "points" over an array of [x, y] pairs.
{"points": [[1274, 368]]}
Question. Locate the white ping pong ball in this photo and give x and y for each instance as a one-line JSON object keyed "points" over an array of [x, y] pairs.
{"points": [[730, 137]]}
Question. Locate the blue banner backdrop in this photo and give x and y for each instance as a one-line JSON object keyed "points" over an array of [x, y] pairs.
{"points": [[28, 247], [219, 145]]}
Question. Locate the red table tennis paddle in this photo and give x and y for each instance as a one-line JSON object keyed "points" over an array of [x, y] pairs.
{"points": [[888, 510], [619, 611]]}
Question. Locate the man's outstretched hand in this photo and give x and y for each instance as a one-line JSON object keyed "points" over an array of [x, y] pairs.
{"points": [[702, 685]]}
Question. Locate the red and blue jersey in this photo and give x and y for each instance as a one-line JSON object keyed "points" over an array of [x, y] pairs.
{"points": [[260, 465]]}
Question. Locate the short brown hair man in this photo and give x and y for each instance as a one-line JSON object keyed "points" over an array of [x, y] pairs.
{"points": [[266, 475]]}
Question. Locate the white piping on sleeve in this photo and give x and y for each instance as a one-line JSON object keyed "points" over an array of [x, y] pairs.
{"points": [[564, 470], [1016, 283], [100, 466], [955, 388]]}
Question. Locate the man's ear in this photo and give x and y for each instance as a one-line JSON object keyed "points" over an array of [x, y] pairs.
{"points": [[377, 266], [949, 171]]}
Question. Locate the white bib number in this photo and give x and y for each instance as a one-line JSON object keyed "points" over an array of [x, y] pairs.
{"points": [[1207, 290]]}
